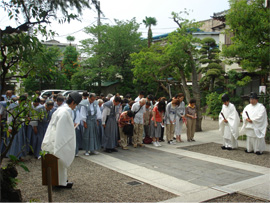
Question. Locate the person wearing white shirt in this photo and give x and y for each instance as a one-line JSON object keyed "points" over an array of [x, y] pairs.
{"points": [[141, 95], [139, 109], [89, 114], [254, 125]]}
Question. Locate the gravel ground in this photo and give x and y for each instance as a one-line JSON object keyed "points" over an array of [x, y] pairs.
{"points": [[92, 183], [236, 197], [239, 154]]}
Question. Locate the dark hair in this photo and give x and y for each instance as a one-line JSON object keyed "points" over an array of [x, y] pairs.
{"points": [[127, 96], [148, 103], [117, 99], [180, 95], [176, 102], [70, 100], [161, 106], [130, 113], [141, 93], [125, 101], [60, 98], [55, 96], [85, 94], [150, 97], [37, 92], [192, 101], [225, 98], [101, 94]]}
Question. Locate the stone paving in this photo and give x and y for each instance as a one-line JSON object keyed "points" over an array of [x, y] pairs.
{"points": [[192, 176]]}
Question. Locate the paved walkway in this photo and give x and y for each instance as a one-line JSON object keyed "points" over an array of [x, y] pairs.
{"points": [[192, 176]]}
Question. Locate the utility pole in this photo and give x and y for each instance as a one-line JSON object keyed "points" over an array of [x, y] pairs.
{"points": [[99, 63]]}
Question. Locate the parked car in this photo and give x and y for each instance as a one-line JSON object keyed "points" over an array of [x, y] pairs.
{"points": [[67, 92], [48, 93]]}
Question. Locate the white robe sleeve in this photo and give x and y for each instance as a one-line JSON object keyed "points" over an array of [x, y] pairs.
{"points": [[78, 117], [106, 111], [83, 113], [99, 116]]}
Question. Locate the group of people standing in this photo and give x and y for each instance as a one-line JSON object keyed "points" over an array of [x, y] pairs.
{"points": [[63, 126]]}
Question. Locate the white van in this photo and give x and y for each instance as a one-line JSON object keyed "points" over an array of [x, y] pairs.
{"points": [[48, 93]]}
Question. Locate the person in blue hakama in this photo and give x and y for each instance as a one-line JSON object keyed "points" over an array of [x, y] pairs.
{"points": [[109, 121], [18, 146], [99, 119], [89, 113], [45, 114]]}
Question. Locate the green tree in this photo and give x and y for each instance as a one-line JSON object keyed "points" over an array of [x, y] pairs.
{"points": [[249, 22], [210, 68], [17, 47], [109, 57], [70, 62], [149, 21], [175, 59]]}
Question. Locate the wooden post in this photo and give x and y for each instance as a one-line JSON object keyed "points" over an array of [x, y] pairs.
{"points": [[49, 181]]}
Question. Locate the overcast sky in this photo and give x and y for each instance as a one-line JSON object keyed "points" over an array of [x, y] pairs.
{"points": [[128, 9]]}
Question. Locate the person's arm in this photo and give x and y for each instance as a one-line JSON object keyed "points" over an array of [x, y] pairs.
{"points": [[83, 115], [154, 117], [105, 112]]}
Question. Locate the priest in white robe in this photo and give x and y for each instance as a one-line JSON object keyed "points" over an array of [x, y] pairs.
{"points": [[228, 124], [60, 137], [254, 125]]}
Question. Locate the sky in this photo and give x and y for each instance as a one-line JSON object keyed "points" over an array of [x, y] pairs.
{"points": [[128, 9]]}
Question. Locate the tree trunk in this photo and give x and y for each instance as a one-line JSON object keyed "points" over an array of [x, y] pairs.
{"points": [[164, 87], [212, 82], [196, 93], [184, 84]]}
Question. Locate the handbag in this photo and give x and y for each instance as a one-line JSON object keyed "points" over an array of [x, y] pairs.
{"points": [[128, 129]]}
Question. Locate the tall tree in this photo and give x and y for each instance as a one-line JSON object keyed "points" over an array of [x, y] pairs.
{"points": [[16, 45], [174, 59], [149, 21], [109, 59], [210, 64], [249, 22], [70, 62]]}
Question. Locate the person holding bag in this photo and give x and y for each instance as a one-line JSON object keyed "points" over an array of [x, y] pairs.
{"points": [[125, 124]]}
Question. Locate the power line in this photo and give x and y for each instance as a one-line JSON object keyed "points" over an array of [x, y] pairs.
{"points": [[76, 31]]}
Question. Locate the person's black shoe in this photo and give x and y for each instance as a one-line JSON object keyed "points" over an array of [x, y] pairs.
{"points": [[108, 150], [247, 151], [229, 148], [68, 186], [258, 153], [114, 150], [193, 140], [223, 147]]}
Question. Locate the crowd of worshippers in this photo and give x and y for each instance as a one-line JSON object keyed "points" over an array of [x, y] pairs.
{"points": [[106, 123]]}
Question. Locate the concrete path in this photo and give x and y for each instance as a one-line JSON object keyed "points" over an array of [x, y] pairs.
{"points": [[193, 176]]}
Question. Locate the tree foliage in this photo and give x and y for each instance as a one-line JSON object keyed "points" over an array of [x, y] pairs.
{"points": [[109, 54], [250, 24], [149, 21], [210, 64], [17, 47]]}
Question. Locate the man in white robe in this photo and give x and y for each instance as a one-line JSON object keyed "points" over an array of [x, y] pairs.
{"points": [[228, 124], [60, 137], [254, 125]]}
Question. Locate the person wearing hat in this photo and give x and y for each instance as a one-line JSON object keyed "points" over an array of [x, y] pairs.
{"points": [[254, 125], [228, 124], [60, 137]]}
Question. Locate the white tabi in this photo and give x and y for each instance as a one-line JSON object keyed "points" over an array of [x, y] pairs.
{"points": [[256, 130], [229, 131], [60, 140]]}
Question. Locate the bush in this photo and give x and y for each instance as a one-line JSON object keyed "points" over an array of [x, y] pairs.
{"points": [[214, 105]]}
